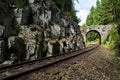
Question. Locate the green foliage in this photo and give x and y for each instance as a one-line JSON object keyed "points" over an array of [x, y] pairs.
{"points": [[4, 21], [4, 10], [112, 38], [105, 12], [93, 36], [67, 6], [105, 40], [18, 3], [83, 27], [91, 19], [116, 59]]}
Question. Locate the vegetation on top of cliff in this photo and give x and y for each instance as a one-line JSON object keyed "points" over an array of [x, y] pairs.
{"points": [[4, 16], [6, 11], [67, 6], [18, 3]]}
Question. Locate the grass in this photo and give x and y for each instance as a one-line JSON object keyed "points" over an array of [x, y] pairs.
{"points": [[111, 40], [92, 42], [116, 58], [111, 43]]}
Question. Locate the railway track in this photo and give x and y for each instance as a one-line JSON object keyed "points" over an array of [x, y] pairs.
{"points": [[17, 70]]}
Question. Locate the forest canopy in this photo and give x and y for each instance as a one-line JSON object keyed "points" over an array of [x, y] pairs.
{"points": [[105, 12]]}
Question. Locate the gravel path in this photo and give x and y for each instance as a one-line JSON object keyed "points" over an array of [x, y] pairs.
{"points": [[97, 66]]}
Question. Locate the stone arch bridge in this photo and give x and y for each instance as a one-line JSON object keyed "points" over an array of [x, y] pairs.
{"points": [[102, 30]]}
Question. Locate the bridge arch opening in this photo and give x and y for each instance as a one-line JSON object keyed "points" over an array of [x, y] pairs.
{"points": [[93, 37]]}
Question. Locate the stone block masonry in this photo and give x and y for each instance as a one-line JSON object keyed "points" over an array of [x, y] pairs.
{"points": [[102, 30]]}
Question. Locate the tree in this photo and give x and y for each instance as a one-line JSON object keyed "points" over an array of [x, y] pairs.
{"points": [[91, 19], [67, 6], [105, 12]]}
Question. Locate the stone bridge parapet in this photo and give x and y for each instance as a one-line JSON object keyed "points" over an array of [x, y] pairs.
{"points": [[103, 30]]}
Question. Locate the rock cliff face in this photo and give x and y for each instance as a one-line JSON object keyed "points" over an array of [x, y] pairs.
{"points": [[34, 30]]}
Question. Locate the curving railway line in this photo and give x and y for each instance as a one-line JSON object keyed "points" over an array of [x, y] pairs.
{"points": [[17, 70]]}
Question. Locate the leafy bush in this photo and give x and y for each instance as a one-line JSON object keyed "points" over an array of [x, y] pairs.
{"points": [[18, 3], [67, 6], [112, 38]]}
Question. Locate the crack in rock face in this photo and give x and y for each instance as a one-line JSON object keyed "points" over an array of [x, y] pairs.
{"points": [[35, 28]]}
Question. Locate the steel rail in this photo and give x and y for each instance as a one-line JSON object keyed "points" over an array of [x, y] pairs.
{"points": [[17, 70]]}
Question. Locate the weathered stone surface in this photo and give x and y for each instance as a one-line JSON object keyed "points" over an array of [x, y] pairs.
{"points": [[31, 1], [101, 29], [7, 19], [50, 50], [32, 36], [23, 16], [6, 14], [10, 31], [2, 50], [42, 27], [2, 28], [16, 47], [56, 48]]}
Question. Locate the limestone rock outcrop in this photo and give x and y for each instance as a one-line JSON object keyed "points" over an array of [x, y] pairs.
{"points": [[37, 29]]}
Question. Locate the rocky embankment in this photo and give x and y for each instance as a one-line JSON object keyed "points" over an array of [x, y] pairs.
{"points": [[32, 29]]}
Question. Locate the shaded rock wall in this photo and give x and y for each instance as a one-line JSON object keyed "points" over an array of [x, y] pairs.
{"points": [[35, 30]]}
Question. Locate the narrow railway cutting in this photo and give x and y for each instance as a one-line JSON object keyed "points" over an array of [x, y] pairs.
{"points": [[17, 70]]}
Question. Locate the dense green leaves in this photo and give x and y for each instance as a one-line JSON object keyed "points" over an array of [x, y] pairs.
{"points": [[67, 6], [112, 38], [105, 12], [92, 36]]}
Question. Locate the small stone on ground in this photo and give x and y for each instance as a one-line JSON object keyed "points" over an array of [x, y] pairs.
{"points": [[97, 66]]}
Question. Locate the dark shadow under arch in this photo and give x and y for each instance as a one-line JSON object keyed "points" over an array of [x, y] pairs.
{"points": [[96, 32]]}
